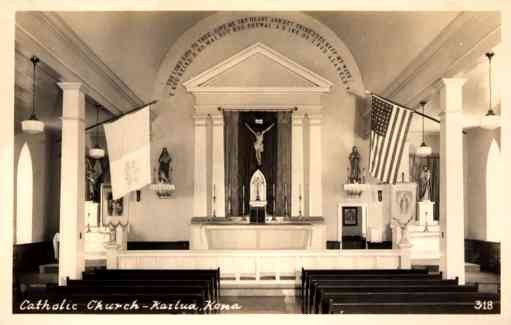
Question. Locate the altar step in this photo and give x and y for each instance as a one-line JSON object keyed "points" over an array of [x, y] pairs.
{"points": [[259, 290]]}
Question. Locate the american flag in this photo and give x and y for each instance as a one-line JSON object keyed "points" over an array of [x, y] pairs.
{"points": [[389, 129]]}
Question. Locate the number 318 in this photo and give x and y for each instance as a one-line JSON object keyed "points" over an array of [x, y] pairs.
{"points": [[484, 305]]}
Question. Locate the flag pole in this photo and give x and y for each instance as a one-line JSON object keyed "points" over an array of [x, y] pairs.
{"points": [[119, 116], [368, 93]]}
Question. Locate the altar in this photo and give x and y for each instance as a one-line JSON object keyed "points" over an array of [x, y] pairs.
{"points": [[233, 234]]}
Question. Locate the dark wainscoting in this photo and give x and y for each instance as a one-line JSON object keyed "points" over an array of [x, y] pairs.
{"points": [[484, 253], [382, 245], [333, 244], [158, 245], [28, 257]]}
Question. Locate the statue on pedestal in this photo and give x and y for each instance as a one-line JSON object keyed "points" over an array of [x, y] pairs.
{"points": [[259, 142], [354, 158], [94, 172], [164, 167], [425, 184]]}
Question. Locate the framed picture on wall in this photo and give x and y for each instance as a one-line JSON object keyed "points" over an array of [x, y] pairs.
{"points": [[349, 216], [112, 211]]}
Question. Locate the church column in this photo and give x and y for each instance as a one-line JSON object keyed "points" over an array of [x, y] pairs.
{"points": [[297, 176], [200, 174], [218, 165], [72, 184], [452, 262], [315, 166]]}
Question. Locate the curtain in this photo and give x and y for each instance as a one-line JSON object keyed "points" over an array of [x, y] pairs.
{"points": [[283, 164], [247, 164], [433, 163], [232, 185]]}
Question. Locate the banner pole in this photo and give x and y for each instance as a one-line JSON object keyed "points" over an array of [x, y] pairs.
{"points": [[119, 116]]}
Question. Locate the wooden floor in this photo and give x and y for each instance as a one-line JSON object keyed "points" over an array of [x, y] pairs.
{"points": [[264, 305]]}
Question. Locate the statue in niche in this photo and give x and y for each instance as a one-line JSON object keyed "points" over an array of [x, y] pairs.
{"points": [[164, 166], [354, 158], [425, 184], [259, 142]]}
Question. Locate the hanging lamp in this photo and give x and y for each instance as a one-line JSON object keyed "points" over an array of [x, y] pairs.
{"points": [[424, 150], [97, 152], [490, 121], [32, 125]]}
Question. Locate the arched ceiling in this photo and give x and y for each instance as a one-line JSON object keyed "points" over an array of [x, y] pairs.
{"points": [[133, 44]]}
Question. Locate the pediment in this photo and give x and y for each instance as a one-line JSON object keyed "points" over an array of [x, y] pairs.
{"points": [[258, 68]]}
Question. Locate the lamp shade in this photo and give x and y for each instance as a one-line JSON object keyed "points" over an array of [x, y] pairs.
{"points": [[32, 125], [424, 150], [96, 153], [490, 121]]}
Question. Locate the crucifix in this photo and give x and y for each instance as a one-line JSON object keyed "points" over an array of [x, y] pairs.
{"points": [[259, 142]]}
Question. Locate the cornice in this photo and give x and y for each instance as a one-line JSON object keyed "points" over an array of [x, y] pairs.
{"points": [[457, 47], [62, 49]]}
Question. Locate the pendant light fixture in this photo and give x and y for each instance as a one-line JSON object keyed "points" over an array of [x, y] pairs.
{"points": [[490, 121], [33, 125], [424, 150], [97, 152]]}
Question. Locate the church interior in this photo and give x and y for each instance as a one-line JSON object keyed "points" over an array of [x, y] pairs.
{"points": [[265, 171]]}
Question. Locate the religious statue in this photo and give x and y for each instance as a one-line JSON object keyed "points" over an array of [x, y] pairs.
{"points": [[354, 158], [259, 142], [115, 207], [425, 184], [164, 167], [94, 172]]}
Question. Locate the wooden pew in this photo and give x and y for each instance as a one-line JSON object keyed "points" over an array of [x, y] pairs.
{"points": [[145, 283], [403, 297], [321, 290], [459, 307], [157, 274], [309, 276], [370, 283]]}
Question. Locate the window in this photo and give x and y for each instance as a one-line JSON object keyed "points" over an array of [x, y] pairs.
{"points": [[494, 191], [24, 197]]}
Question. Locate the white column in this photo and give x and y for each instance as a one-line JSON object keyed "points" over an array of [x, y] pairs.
{"points": [[72, 184], [297, 176], [452, 262], [315, 166], [200, 172], [218, 164]]}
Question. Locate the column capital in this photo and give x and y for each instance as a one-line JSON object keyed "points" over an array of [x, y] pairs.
{"points": [[217, 118], [452, 82], [451, 95], [70, 85], [297, 118], [200, 119], [315, 118]]}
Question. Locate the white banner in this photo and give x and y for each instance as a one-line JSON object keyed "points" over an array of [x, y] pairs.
{"points": [[128, 141]]}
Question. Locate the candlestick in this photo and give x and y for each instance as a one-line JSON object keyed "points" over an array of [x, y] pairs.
{"points": [[285, 199], [214, 201], [274, 199], [243, 200], [300, 200]]}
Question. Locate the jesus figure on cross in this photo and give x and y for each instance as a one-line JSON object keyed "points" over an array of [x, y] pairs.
{"points": [[258, 143]]}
